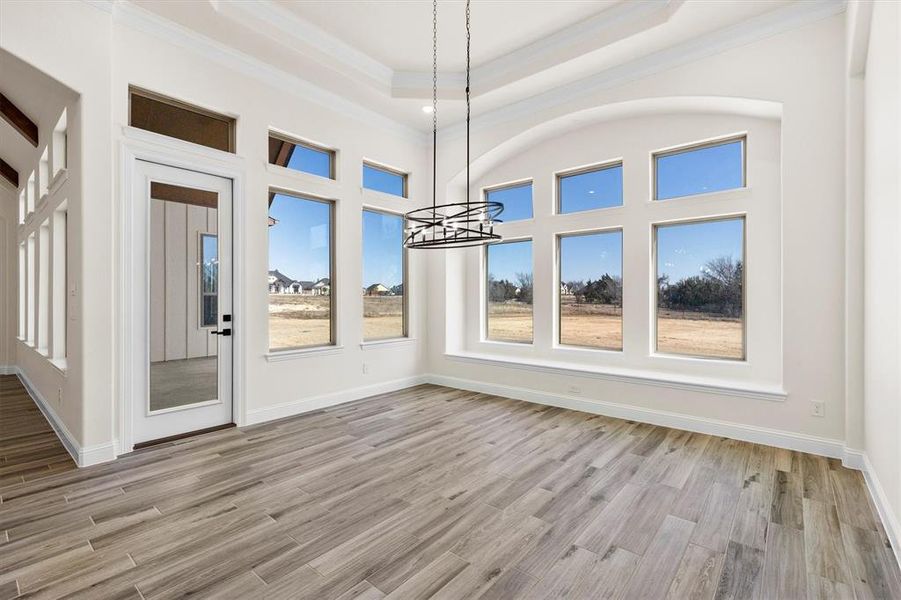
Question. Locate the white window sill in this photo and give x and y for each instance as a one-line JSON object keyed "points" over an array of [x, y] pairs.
{"points": [[280, 355], [696, 384], [60, 363], [388, 343], [299, 175], [717, 195], [58, 179]]}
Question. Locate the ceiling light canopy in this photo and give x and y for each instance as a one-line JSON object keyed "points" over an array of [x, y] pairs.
{"points": [[458, 224]]}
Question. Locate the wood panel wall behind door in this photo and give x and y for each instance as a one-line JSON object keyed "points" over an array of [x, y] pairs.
{"points": [[175, 230]]}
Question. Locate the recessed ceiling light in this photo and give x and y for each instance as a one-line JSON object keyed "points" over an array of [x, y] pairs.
{"points": [[427, 110]]}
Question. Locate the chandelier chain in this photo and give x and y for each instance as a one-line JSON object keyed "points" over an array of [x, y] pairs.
{"points": [[468, 36], [434, 102]]}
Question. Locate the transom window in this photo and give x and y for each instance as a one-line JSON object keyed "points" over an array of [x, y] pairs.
{"points": [[700, 169], [385, 180], [591, 188], [301, 156], [516, 198]]}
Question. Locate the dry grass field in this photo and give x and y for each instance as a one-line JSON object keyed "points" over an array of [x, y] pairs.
{"points": [[601, 326], [296, 321], [383, 317]]}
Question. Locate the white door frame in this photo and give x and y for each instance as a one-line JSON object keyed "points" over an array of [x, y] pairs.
{"points": [[137, 145]]}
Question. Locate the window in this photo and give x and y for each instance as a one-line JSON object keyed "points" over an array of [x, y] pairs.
{"points": [[30, 287], [301, 156], [58, 150], [23, 297], [588, 189], [516, 198], [30, 192], [384, 276], [383, 179], [209, 280], [43, 292], [700, 169], [700, 288], [60, 267], [591, 290], [23, 204], [301, 302], [44, 174], [509, 292], [176, 119]]}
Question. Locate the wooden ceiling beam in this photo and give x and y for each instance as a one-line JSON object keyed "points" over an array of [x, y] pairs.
{"points": [[9, 174], [21, 123]]}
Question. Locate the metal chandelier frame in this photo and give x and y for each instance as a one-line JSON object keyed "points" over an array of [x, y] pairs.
{"points": [[458, 224]]}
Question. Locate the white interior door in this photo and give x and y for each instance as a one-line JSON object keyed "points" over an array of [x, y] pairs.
{"points": [[186, 291]]}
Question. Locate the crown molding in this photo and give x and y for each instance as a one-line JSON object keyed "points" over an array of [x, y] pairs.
{"points": [[310, 40], [128, 14], [772, 23], [602, 29]]}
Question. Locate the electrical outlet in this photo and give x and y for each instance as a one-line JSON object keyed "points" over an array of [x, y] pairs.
{"points": [[574, 389], [365, 369], [817, 409]]}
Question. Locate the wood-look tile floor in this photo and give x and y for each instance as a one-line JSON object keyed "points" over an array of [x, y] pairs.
{"points": [[435, 493]]}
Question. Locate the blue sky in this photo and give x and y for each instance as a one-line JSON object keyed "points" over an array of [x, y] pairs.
{"points": [[312, 161], [591, 190], [700, 171], [506, 260], [517, 201], [584, 257], [382, 249], [683, 250], [299, 242], [382, 181]]}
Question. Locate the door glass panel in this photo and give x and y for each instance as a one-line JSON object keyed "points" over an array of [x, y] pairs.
{"points": [[184, 296]]}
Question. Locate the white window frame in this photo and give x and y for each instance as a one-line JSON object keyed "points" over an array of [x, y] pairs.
{"points": [[759, 201]]}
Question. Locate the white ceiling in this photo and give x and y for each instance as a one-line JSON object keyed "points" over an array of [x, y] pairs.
{"points": [[399, 33], [377, 53]]}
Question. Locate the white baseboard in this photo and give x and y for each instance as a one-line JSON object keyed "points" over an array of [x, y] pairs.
{"points": [[748, 433], [289, 409], [883, 507], [83, 456]]}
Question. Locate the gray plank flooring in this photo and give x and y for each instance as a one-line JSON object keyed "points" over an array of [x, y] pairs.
{"points": [[432, 492]]}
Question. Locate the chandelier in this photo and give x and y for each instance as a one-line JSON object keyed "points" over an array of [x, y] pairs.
{"points": [[458, 224]]}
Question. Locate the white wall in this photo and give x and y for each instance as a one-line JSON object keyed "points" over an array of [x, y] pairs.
{"points": [[70, 42], [8, 268], [882, 250], [812, 188]]}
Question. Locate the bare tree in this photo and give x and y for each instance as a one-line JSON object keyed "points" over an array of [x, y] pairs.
{"points": [[524, 281]]}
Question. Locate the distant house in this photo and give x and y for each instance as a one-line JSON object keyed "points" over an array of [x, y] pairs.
{"points": [[323, 287], [398, 290], [279, 283], [565, 289], [377, 289], [302, 287]]}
